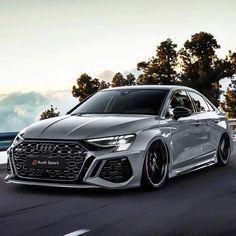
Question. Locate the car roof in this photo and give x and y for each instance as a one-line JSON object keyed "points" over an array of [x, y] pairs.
{"points": [[165, 87]]}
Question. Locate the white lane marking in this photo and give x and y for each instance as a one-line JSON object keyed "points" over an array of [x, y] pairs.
{"points": [[78, 232]]}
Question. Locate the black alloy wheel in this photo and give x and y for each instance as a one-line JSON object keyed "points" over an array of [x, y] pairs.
{"points": [[223, 153], [155, 169]]}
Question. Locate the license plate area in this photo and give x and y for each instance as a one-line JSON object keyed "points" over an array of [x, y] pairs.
{"points": [[45, 163]]}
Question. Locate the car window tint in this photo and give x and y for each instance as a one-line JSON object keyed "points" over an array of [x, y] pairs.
{"points": [[181, 99], [199, 102], [146, 101]]}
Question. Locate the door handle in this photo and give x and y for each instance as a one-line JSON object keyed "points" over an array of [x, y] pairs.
{"points": [[198, 123]]}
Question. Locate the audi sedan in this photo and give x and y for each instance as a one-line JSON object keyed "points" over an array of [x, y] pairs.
{"points": [[122, 138]]}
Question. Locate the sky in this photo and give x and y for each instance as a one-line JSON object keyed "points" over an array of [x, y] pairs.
{"points": [[20, 109], [46, 45]]}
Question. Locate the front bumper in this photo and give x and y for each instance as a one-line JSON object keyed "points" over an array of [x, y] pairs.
{"points": [[101, 169]]}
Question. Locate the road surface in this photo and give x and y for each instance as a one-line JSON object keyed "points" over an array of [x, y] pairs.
{"points": [[199, 203]]}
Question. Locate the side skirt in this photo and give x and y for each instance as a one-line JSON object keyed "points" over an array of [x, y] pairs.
{"points": [[197, 166]]}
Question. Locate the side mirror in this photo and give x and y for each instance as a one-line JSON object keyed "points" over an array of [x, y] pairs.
{"points": [[181, 112]]}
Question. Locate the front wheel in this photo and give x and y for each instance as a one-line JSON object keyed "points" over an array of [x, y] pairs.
{"points": [[155, 168], [223, 153]]}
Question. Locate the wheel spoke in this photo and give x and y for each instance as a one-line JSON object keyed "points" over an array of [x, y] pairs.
{"points": [[156, 164], [222, 146]]}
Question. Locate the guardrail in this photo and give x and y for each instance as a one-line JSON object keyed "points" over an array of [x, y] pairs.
{"points": [[232, 124], [6, 140]]}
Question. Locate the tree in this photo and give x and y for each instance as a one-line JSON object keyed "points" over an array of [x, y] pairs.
{"points": [[130, 79], [49, 113], [160, 69], [85, 87], [104, 85], [201, 68], [232, 59], [230, 102], [119, 80], [196, 65], [230, 97]]}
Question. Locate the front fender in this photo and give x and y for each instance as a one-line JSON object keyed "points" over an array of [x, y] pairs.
{"points": [[145, 138]]}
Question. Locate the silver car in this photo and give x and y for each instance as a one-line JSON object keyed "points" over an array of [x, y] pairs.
{"points": [[122, 138]]}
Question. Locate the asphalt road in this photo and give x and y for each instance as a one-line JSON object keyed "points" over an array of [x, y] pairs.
{"points": [[199, 203]]}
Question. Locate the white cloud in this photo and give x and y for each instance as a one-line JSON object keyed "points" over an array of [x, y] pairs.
{"points": [[62, 100], [18, 110], [106, 75], [133, 71]]}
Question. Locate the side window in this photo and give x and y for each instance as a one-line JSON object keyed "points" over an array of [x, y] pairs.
{"points": [[210, 107], [180, 99], [199, 102]]}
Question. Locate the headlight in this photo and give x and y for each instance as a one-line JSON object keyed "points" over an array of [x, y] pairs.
{"points": [[121, 143], [19, 138]]}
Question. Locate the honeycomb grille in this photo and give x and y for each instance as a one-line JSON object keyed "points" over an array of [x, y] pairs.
{"points": [[72, 154], [116, 170]]}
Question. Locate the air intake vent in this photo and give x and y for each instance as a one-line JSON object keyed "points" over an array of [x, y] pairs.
{"points": [[116, 170]]}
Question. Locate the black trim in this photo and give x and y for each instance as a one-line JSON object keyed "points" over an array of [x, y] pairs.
{"points": [[85, 168], [95, 170]]}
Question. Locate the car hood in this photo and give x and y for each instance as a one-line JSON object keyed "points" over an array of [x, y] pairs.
{"points": [[89, 126]]}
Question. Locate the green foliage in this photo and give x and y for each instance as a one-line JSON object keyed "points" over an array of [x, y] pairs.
{"points": [[130, 79], [201, 68], [197, 62], [160, 69], [104, 85], [195, 65], [230, 97], [230, 102], [49, 113], [119, 80], [232, 59], [87, 86]]}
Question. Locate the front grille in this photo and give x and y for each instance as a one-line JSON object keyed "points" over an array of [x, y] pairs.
{"points": [[8, 168], [72, 155], [116, 170]]}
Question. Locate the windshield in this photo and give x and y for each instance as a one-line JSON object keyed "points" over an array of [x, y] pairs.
{"points": [[146, 101]]}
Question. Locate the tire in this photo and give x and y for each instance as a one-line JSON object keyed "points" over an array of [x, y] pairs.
{"points": [[223, 152], [155, 167]]}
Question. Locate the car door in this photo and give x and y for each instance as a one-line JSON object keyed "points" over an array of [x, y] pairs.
{"points": [[185, 133], [217, 124], [204, 140]]}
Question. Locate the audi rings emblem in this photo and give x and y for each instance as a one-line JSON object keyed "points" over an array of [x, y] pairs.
{"points": [[45, 147]]}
